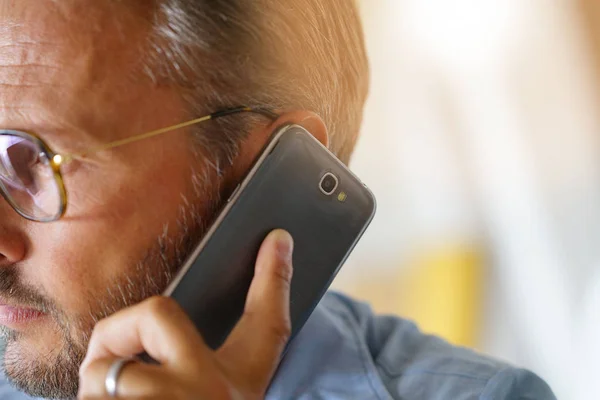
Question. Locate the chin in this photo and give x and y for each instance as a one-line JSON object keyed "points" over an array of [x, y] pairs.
{"points": [[40, 341], [42, 362]]}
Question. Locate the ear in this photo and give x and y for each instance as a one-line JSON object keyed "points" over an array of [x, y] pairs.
{"points": [[257, 139], [306, 119]]}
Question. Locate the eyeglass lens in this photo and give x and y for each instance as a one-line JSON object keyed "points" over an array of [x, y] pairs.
{"points": [[27, 178]]}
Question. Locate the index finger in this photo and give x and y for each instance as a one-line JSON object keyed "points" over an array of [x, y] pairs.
{"points": [[158, 326]]}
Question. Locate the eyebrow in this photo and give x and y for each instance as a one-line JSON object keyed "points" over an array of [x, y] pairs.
{"points": [[47, 125]]}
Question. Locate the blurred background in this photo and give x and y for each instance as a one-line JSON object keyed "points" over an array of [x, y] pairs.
{"points": [[481, 140]]}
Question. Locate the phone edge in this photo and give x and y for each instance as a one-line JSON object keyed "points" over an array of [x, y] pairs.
{"points": [[231, 201]]}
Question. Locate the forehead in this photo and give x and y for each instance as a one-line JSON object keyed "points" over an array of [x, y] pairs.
{"points": [[62, 59]]}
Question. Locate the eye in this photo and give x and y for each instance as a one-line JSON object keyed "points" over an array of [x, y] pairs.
{"points": [[21, 154], [38, 158], [26, 163]]}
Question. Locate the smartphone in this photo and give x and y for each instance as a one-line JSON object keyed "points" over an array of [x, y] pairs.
{"points": [[295, 184]]}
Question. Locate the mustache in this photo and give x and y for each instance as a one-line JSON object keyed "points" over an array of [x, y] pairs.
{"points": [[12, 289]]}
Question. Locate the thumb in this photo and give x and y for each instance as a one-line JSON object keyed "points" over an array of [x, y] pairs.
{"points": [[256, 343]]}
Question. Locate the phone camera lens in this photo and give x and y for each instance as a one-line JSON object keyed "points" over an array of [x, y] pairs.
{"points": [[328, 184]]}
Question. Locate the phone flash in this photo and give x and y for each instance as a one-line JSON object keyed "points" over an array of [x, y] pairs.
{"points": [[342, 197]]}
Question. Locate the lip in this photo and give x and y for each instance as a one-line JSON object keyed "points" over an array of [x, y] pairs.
{"points": [[17, 317]]}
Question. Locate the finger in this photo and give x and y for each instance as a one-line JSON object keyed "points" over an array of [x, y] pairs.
{"points": [[134, 380], [158, 326], [256, 343]]}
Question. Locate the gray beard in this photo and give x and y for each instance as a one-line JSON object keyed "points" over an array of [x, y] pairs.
{"points": [[56, 376]]}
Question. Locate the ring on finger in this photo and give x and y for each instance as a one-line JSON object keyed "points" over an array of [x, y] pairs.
{"points": [[112, 376]]}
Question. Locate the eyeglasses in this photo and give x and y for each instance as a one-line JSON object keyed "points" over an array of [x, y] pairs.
{"points": [[30, 172]]}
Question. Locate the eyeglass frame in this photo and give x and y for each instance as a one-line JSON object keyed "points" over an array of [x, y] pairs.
{"points": [[57, 160]]}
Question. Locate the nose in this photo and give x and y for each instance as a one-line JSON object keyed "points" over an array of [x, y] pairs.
{"points": [[12, 240], [12, 247]]}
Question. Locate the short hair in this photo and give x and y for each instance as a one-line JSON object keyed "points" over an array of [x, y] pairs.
{"points": [[285, 55]]}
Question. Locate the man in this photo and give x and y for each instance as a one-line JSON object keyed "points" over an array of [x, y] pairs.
{"points": [[91, 226]]}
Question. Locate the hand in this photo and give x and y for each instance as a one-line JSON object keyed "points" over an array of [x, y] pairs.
{"points": [[241, 369]]}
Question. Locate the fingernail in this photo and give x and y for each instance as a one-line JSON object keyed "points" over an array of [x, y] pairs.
{"points": [[284, 245]]}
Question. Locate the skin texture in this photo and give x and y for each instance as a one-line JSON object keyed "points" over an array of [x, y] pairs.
{"points": [[134, 213], [240, 369]]}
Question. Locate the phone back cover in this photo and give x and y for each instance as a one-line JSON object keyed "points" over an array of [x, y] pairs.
{"points": [[284, 193]]}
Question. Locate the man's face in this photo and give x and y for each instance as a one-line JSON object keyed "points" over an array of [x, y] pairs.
{"points": [[68, 73]]}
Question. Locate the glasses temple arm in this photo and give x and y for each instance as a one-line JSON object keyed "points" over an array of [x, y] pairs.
{"points": [[59, 159]]}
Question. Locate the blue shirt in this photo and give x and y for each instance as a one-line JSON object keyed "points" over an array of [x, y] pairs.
{"points": [[346, 352]]}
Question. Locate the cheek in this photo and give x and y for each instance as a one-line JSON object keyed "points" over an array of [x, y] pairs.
{"points": [[115, 216], [137, 187]]}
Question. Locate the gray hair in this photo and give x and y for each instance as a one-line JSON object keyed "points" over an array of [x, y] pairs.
{"points": [[285, 55]]}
